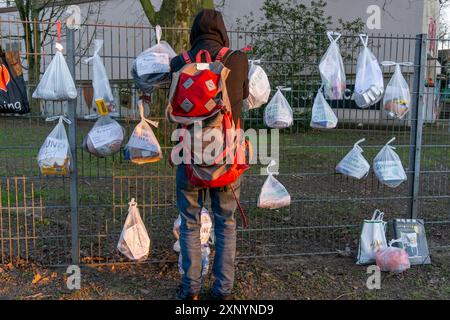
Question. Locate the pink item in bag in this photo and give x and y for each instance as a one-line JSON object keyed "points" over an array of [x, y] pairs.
{"points": [[392, 259]]}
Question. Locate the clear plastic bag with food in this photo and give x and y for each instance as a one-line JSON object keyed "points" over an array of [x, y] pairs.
{"points": [[151, 68], [105, 138], [397, 97], [273, 194], [392, 259], [54, 155], [354, 164], [369, 83], [278, 113], [388, 167], [331, 68], [143, 147], [258, 86], [134, 241], [322, 116]]}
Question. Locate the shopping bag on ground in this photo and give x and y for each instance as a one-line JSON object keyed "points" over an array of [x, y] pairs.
{"points": [[392, 259], [258, 86], [397, 98], [273, 194], [322, 116], [103, 96], [373, 238], [332, 70], [105, 138], [388, 167], [354, 164], [54, 156], [278, 113], [151, 69], [143, 147], [57, 82], [134, 241], [369, 84]]}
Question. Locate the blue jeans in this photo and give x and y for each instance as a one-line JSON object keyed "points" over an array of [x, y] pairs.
{"points": [[223, 205]]}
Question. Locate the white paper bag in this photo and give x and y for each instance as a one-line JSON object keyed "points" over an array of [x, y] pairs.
{"points": [[278, 112], [388, 167], [273, 194], [258, 86], [354, 164], [322, 116], [373, 238]]}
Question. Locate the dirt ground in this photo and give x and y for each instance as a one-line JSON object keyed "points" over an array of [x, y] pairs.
{"points": [[311, 277]]}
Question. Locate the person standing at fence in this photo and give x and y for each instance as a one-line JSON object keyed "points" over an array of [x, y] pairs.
{"points": [[209, 43]]}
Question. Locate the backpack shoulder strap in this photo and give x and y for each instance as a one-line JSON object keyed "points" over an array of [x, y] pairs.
{"points": [[186, 57], [222, 53]]}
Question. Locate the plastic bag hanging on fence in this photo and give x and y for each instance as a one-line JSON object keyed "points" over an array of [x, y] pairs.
{"points": [[143, 147], [369, 84], [397, 97], [392, 259], [332, 70], [278, 113], [258, 86], [322, 116], [57, 82], [105, 138], [354, 164], [54, 156], [273, 194], [388, 166], [372, 239], [151, 69], [100, 81], [134, 241]]}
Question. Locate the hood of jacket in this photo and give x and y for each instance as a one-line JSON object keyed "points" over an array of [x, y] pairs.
{"points": [[208, 26]]}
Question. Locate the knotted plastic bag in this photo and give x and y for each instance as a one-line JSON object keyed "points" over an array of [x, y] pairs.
{"points": [[57, 82], [134, 241], [332, 70], [322, 116], [372, 239], [278, 112], [273, 194], [100, 81], [258, 86], [105, 138], [397, 98], [354, 164], [143, 147], [369, 84], [388, 166], [151, 69], [54, 155], [392, 259]]}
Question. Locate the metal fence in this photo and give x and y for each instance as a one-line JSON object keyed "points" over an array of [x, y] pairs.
{"points": [[78, 219]]}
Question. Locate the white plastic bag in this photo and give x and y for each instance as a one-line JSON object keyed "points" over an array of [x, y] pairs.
{"points": [[332, 70], [278, 112], [134, 241], [54, 156], [322, 116], [373, 238], [143, 147], [273, 194], [105, 138], [100, 81], [388, 166], [397, 98], [354, 164], [258, 86], [369, 84], [393, 259], [151, 69]]}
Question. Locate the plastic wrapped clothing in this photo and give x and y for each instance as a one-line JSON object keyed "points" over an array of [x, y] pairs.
{"points": [[151, 69], [54, 156], [143, 147], [331, 68], [278, 113], [392, 259], [258, 86], [322, 116], [105, 138], [273, 194], [369, 84], [372, 239], [134, 241], [397, 97], [354, 164], [388, 167]]}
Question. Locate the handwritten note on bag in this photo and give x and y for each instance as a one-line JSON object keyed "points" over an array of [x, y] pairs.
{"points": [[54, 148], [105, 134], [152, 63]]}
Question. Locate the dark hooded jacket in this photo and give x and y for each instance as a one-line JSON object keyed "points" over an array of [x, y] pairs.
{"points": [[208, 32]]}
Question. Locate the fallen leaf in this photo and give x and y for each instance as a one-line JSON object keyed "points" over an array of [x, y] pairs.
{"points": [[36, 279]]}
